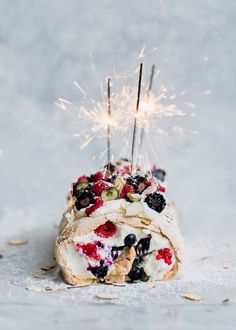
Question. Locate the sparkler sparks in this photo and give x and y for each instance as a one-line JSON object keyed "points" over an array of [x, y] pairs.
{"points": [[156, 109]]}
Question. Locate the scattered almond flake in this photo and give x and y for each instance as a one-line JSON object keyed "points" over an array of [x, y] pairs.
{"points": [[145, 221], [107, 296], [47, 288], [152, 285], [18, 241], [35, 289], [78, 286], [119, 284], [48, 268], [226, 266], [39, 276], [191, 296], [204, 258], [226, 301]]}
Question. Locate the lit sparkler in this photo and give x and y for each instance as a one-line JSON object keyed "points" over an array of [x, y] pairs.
{"points": [[109, 119], [136, 114]]}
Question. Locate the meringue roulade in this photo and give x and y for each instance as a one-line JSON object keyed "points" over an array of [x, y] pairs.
{"points": [[119, 228]]}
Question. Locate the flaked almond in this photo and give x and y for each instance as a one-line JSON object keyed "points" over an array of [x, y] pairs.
{"points": [[134, 209], [18, 241], [193, 297], [145, 221], [107, 296], [39, 276]]}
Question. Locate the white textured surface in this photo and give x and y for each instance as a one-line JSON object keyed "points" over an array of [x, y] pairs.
{"points": [[44, 46]]}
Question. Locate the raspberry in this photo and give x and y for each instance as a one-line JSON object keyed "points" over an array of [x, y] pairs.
{"points": [[98, 187], [127, 188], [89, 249], [165, 254], [83, 179], [97, 176], [91, 209], [161, 188], [106, 230]]}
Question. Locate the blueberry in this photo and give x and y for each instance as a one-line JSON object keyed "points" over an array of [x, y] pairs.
{"points": [[159, 174], [130, 240], [134, 273], [156, 202]]}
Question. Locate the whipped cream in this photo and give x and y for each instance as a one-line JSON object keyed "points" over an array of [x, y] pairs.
{"points": [[80, 264]]}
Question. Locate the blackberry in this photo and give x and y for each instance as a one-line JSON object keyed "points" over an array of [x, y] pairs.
{"points": [[141, 183], [115, 251], [84, 198], [111, 179], [110, 167], [99, 271], [143, 246], [159, 174], [156, 202], [138, 182]]}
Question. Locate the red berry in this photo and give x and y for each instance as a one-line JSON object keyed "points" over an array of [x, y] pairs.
{"points": [[166, 255], [82, 179], [98, 187], [161, 188], [106, 230], [89, 249], [91, 209], [126, 189], [97, 176]]}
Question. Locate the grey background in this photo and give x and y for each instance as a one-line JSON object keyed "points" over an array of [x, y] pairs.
{"points": [[45, 46]]}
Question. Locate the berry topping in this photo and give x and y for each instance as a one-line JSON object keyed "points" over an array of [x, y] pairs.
{"points": [[109, 194], [106, 230], [90, 250], [116, 251], [156, 202], [83, 198], [98, 187], [134, 273], [97, 176], [126, 189], [143, 246], [99, 271], [141, 183], [159, 174], [130, 240], [161, 188], [132, 197], [166, 255], [91, 209], [83, 179], [110, 167], [80, 186]]}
